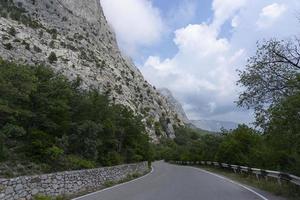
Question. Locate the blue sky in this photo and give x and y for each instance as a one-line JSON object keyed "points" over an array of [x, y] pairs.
{"points": [[195, 47], [200, 11]]}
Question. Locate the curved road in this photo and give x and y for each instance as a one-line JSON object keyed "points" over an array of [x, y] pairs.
{"points": [[172, 182]]}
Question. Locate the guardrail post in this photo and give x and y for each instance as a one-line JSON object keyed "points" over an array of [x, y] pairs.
{"points": [[279, 181], [263, 174], [259, 173]]}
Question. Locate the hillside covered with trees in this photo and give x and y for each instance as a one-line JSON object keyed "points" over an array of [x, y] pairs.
{"points": [[48, 123]]}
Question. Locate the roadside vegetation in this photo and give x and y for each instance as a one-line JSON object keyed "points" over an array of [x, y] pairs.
{"points": [[283, 189], [48, 123], [271, 81]]}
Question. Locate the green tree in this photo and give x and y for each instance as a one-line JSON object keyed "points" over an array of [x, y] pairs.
{"points": [[270, 76], [51, 121], [238, 146], [283, 135], [84, 139]]}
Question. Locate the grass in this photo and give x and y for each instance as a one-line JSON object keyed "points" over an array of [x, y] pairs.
{"points": [[285, 189], [42, 197]]}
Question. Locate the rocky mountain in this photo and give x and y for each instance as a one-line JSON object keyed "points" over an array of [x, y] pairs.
{"points": [[74, 38], [174, 103], [214, 126]]}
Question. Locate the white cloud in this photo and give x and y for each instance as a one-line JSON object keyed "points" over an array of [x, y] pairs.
{"points": [[269, 14], [224, 9], [235, 21], [200, 39], [154, 61], [136, 22], [202, 74]]}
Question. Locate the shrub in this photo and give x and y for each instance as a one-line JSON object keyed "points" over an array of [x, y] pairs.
{"points": [[76, 162], [37, 49], [41, 33], [3, 149], [10, 130], [12, 31], [54, 33], [41, 197], [27, 46], [52, 44], [8, 46], [52, 57], [54, 153]]}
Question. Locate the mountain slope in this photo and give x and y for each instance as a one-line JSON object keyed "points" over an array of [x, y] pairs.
{"points": [[74, 38], [174, 103]]}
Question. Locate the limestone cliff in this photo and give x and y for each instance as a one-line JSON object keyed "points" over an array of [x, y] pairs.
{"points": [[81, 44], [176, 105]]}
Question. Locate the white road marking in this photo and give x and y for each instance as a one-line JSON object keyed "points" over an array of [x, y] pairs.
{"points": [[231, 181], [118, 185]]}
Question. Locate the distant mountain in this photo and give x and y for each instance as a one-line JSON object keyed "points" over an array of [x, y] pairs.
{"points": [[213, 125], [207, 125]]}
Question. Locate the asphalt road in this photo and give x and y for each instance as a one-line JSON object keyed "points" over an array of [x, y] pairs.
{"points": [[172, 182]]}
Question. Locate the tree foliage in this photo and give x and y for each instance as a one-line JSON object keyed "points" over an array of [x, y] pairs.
{"points": [[270, 76], [49, 120], [241, 146]]}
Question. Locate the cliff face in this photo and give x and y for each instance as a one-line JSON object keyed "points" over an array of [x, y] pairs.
{"points": [[81, 44], [175, 104]]}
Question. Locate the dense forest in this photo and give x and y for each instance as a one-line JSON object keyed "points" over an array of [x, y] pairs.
{"points": [[48, 123], [272, 89]]}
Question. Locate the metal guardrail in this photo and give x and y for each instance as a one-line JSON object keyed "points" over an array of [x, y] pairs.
{"points": [[259, 173]]}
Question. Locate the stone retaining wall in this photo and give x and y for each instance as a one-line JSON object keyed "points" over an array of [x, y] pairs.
{"points": [[69, 182]]}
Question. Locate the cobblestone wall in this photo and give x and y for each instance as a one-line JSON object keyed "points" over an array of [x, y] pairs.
{"points": [[69, 182]]}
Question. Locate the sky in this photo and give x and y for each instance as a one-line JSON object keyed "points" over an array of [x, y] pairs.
{"points": [[196, 47]]}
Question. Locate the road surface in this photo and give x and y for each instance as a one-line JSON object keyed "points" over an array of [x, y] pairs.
{"points": [[172, 182]]}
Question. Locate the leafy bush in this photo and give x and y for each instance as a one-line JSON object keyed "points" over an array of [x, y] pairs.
{"points": [[52, 57], [12, 31], [76, 162], [37, 49], [8, 46], [54, 153], [41, 197]]}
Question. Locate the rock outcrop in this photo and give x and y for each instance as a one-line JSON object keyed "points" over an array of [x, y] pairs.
{"points": [[74, 38], [175, 104]]}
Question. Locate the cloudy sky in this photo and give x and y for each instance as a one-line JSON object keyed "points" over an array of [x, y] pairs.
{"points": [[194, 47]]}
